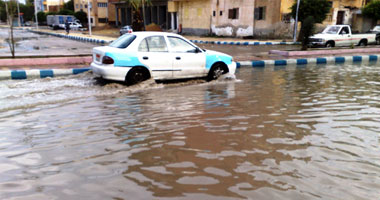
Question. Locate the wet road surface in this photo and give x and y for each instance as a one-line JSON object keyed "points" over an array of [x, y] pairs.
{"points": [[29, 44], [34, 44], [273, 133]]}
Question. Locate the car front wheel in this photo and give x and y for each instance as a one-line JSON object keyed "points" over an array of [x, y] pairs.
{"points": [[216, 71]]}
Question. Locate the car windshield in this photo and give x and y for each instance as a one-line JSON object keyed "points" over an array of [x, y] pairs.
{"points": [[331, 30], [123, 41], [126, 27], [377, 28]]}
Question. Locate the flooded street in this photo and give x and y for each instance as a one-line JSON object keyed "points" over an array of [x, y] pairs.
{"points": [[305, 132]]}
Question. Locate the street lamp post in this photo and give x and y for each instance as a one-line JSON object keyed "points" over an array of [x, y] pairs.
{"points": [[18, 12], [35, 13], [296, 22], [89, 17]]}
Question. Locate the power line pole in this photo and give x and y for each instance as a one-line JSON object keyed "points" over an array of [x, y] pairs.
{"points": [[89, 17], [35, 12], [18, 12], [296, 22]]}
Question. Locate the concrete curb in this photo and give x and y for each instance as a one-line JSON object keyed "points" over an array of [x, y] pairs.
{"points": [[244, 43], [305, 61], [71, 37], [39, 73], [46, 61]]}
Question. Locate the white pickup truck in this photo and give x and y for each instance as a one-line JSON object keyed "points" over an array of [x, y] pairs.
{"points": [[341, 35]]}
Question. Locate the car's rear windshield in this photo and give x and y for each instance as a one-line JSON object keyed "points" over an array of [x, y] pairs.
{"points": [[123, 41]]}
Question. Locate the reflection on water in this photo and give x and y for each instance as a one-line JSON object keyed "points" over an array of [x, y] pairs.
{"points": [[292, 133]]}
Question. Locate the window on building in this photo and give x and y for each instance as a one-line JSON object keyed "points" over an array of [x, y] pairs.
{"points": [[214, 13], [102, 20], [220, 13], [85, 6], [286, 18], [76, 6], [260, 13], [102, 5], [233, 13], [81, 6]]}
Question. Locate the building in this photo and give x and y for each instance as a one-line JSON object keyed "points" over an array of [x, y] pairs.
{"points": [[232, 17], [53, 5], [101, 11], [156, 12]]}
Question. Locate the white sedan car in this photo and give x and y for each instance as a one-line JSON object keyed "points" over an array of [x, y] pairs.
{"points": [[138, 56]]}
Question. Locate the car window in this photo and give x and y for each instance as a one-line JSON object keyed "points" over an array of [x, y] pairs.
{"points": [[332, 30], [344, 30], [180, 45], [143, 47], [123, 41], [153, 44]]}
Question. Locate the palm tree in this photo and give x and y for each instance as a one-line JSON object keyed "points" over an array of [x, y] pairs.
{"points": [[138, 21]]}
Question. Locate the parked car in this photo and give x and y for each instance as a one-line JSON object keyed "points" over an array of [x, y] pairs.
{"points": [[138, 56], [58, 21], [341, 35], [126, 29], [376, 30]]}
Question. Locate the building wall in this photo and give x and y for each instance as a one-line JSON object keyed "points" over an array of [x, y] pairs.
{"points": [[222, 25], [195, 16]]}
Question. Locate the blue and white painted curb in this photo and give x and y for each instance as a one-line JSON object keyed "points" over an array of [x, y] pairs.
{"points": [[39, 73], [72, 37], [243, 43], [305, 61]]}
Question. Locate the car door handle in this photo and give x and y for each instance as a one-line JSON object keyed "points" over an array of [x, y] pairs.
{"points": [[178, 58], [145, 57]]}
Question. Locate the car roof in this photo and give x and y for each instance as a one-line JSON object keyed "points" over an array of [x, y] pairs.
{"points": [[148, 33]]}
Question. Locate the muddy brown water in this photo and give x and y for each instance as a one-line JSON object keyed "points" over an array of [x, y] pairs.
{"points": [[307, 132]]}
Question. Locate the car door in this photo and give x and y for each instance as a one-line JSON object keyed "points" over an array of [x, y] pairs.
{"points": [[345, 38], [153, 53], [188, 60]]}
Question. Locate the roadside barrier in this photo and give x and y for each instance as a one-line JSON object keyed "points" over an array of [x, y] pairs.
{"points": [[305, 61], [39, 73], [244, 43], [72, 37]]}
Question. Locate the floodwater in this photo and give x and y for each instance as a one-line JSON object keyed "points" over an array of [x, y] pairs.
{"points": [[305, 132]]}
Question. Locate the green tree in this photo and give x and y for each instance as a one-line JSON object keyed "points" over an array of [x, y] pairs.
{"points": [[372, 10], [138, 22], [69, 5], [316, 8], [65, 12], [27, 10], [41, 16], [81, 16], [3, 14]]}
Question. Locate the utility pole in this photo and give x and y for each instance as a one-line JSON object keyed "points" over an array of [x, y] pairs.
{"points": [[143, 8], [35, 12], [18, 12], [296, 22], [89, 17]]}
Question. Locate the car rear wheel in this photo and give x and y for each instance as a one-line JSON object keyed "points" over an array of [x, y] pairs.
{"points": [[137, 75], [216, 71], [363, 43], [378, 40]]}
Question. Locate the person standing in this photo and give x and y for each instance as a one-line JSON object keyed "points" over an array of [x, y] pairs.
{"points": [[67, 27]]}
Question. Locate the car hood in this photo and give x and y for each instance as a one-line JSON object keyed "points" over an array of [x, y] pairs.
{"points": [[215, 56], [319, 35], [216, 53]]}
